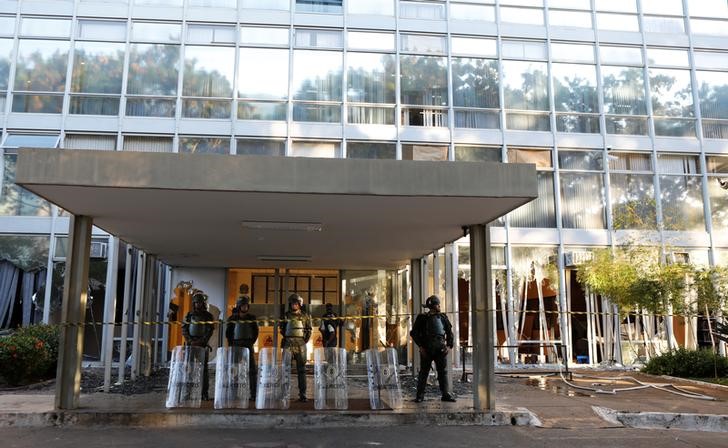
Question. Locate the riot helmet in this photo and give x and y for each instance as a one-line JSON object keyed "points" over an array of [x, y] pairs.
{"points": [[243, 300], [200, 298], [432, 302], [295, 298]]}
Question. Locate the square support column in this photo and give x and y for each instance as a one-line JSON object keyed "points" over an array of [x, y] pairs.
{"points": [[417, 291], [481, 310], [75, 292]]}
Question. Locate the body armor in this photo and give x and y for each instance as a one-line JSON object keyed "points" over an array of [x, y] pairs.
{"points": [[243, 331], [295, 327], [435, 334], [196, 330]]}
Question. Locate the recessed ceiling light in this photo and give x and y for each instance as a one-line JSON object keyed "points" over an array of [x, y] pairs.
{"points": [[283, 225]]}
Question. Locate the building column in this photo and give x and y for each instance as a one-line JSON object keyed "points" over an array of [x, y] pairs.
{"points": [[417, 291], [75, 292], [481, 310], [149, 304]]}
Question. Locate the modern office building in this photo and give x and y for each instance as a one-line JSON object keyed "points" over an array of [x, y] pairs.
{"points": [[622, 105]]}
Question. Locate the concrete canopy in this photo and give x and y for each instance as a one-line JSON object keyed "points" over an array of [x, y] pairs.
{"points": [[189, 209]]}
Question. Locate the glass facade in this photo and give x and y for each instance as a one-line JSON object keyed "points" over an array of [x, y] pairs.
{"points": [[629, 131]]}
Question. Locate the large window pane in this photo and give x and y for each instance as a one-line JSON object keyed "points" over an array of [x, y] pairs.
{"points": [[682, 203], [370, 150], [467, 153], [156, 32], [570, 19], [326, 150], [94, 105], [624, 90], [260, 110], [525, 85], [150, 107], [581, 160], [633, 201], [713, 93], [317, 75], [480, 13], [371, 78], [41, 65], [365, 40], [15, 200], [6, 51], [671, 93], [263, 73], [424, 152], [193, 108], [539, 212], [208, 71], [210, 34], [325, 113], [370, 115], [37, 27], [256, 147], [97, 67], [371, 7], [582, 201], [101, 30], [528, 16], [416, 43], [206, 145], [40, 104], [718, 205], [424, 80], [575, 88], [153, 69], [475, 82], [708, 8]]}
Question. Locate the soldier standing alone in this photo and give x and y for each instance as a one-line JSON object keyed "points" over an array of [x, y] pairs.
{"points": [[244, 334], [296, 330], [432, 332]]}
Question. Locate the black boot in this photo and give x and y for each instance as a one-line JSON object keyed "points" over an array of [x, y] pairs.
{"points": [[447, 396]]}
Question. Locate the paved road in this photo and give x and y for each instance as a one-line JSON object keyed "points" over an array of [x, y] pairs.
{"points": [[399, 437]]}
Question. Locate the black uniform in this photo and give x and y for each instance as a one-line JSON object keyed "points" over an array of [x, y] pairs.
{"points": [[432, 332], [244, 334], [329, 329], [296, 331], [198, 335]]}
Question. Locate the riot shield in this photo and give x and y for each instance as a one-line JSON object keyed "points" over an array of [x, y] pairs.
{"points": [[384, 388], [231, 378], [331, 390], [274, 379], [184, 389]]}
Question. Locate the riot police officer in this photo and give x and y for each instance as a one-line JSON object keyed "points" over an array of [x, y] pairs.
{"points": [[244, 334], [296, 330], [197, 330], [329, 326], [432, 332]]}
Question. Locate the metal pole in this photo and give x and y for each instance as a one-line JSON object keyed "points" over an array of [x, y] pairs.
{"points": [[481, 308], [138, 299], [75, 292], [112, 268], [417, 289], [125, 315]]}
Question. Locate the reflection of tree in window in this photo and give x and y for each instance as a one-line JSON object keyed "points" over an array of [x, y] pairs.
{"points": [[15, 200], [624, 91], [525, 85], [153, 69], [475, 82]]}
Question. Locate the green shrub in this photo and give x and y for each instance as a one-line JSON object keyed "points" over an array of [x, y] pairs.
{"points": [[29, 354], [688, 364]]}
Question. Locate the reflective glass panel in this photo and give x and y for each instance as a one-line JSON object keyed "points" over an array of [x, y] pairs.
{"points": [[156, 32], [421, 10], [480, 13], [539, 212], [620, 55], [572, 52], [474, 46], [282, 5], [475, 82], [150, 107], [575, 19], [371, 7], [371, 78], [33, 26], [709, 27], [209, 71], [580, 160], [617, 22], [41, 65], [153, 69], [666, 7], [467, 153], [210, 34], [360, 40], [255, 147], [633, 201], [371, 150], [206, 109], [317, 75], [718, 205], [259, 110], [704, 59], [263, 73], [616, 5], [257, 35], [624, 90], [518, 49], [424, 80], [15, 200], [7, 25], [318, 38], [525, 85], [575, 87], [204, 145], [527, 16], [6, 52], [101, 30], [713, 92], [671, 93], [424, 152], [570, 4], [97, 67], [653, 24], [326, 150], [423, 44], [674, 58], [682, 203], [582, 201], [708, 8]]}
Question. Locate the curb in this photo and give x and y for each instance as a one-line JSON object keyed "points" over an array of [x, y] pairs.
{"points": [[266, 420], [665, 420], [696, 382]]}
